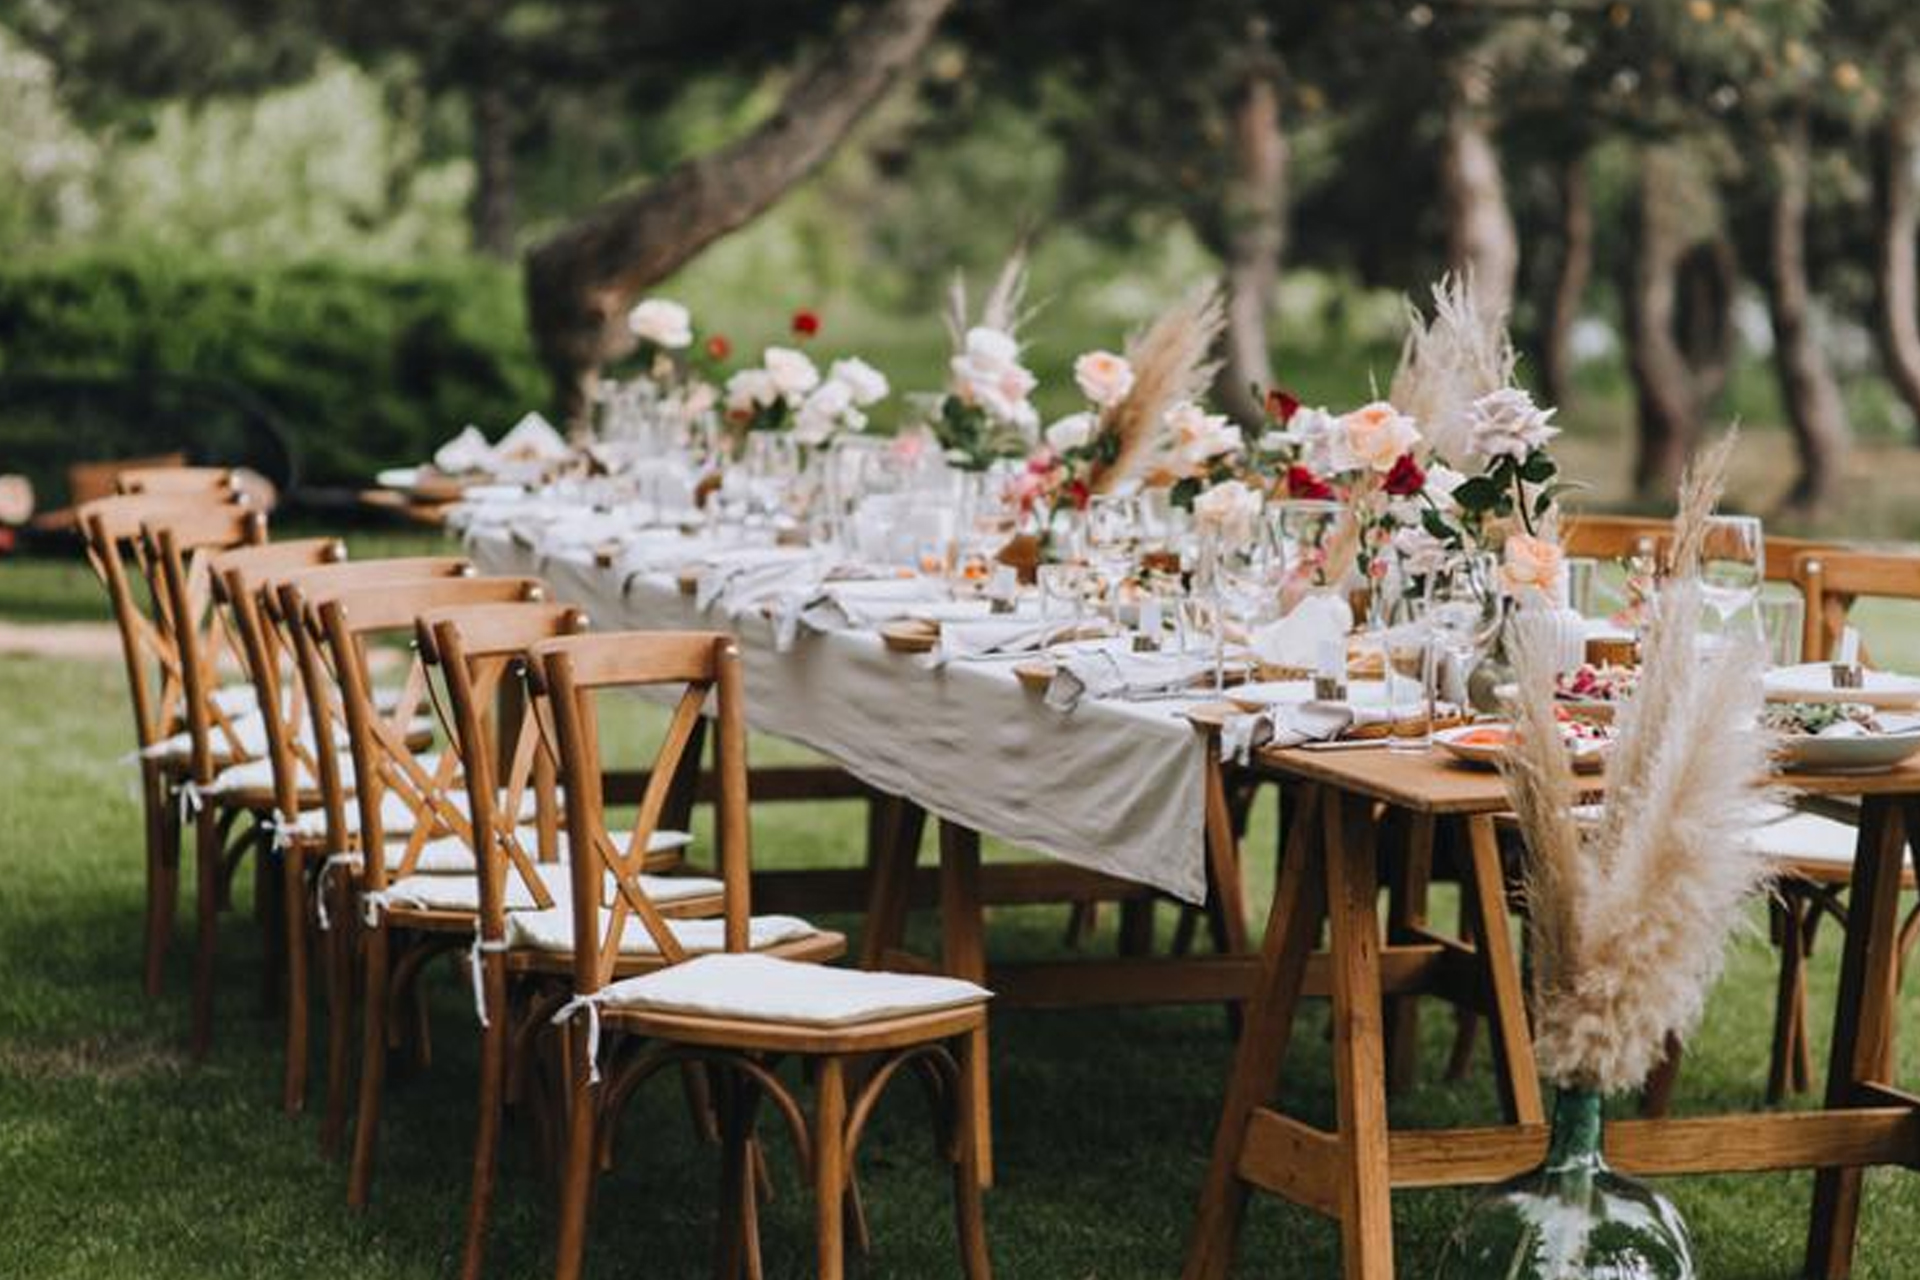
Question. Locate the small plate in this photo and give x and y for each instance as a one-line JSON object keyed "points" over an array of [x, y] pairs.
{"points": [[1484, 745], [910, 636], [1846, 753], [1813, 682]]}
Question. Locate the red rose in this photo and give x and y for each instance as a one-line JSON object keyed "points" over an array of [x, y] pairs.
{"points": [[1302, 483], [1079, 494], [805, 323], [1281, 406], [1406, 478], [718, 347]]}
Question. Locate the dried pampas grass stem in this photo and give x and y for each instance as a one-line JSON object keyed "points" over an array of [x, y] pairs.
{"points": [[1700, 490], [1170, 364], [1446, 363]]}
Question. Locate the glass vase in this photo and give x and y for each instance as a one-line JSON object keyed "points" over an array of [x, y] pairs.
{"points": [[1571, 1219]]}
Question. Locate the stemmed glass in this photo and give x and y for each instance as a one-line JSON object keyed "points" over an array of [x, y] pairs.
{"points": [[1305, 531], [1245, 568], [1464, 610], [1732, 565], [1111, 524]]}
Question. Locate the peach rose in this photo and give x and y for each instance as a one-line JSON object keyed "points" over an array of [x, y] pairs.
{"points": [[1103, 377], [1532, 564], [1373, 436]]}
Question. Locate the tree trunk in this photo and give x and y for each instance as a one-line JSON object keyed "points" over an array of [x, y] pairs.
{"points": [[1897, 202], [1814, 408], [1256, 213], [581, 280], [1703, 319], [1481, 240], [1570, 281], [1669, 405], [493, 210]]}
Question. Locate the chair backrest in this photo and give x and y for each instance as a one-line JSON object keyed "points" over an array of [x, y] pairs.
{"points": [[182, 548], [90, 481], [287, 607], [383, 759], [200, 481], [566, 676], [1832, 580], [1622, 537], [481, 652], [240, 577], [116, 552]]}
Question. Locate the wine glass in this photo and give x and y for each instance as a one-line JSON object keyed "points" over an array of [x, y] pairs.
{"points": [[1246, 568], [1464, 610], [1732, 564], [1111, 523], [1306, 531]]}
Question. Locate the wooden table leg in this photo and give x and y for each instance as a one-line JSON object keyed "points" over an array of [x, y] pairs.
{"points": [[1359, 1048], [1485, 890], [1293, 929], [894, 859], [1410, 863], [1862, 1020], [1227, 895], [963, 953]]}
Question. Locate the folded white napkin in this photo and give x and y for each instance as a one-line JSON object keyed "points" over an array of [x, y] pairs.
{"points": [[987, 637], [468, 451], [1298, 640], [1116, 673], [864, 604], [532, 437], [743, 576], [1286, 724]]}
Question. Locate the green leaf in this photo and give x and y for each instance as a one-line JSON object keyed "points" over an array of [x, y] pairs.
{"points": [[1436, 524], [1479, 493], [1538, 468]]}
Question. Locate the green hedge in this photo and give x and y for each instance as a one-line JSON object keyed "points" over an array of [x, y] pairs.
{"points": [[366, 368]]}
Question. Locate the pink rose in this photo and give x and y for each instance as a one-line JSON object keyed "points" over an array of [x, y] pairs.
{"points": [[1532, 564], [1373, 436]]}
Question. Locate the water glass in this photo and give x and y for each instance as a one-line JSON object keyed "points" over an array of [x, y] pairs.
{"points": [[1407, 671], [1733, 564], [1783, 620]]}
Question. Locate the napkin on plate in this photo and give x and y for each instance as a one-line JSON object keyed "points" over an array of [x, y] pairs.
{"points": [[990, 637], [746, 576], [867, 603], [468, 451], [1298, 640], [1285, 724], [1116, 673], [532, 437]]}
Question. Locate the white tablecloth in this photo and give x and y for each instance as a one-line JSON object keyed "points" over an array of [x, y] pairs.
{"points": [[1117, 787]]}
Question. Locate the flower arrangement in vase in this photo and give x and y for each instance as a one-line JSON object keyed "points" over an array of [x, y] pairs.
{"points": [[787, 391], [986, 413]]}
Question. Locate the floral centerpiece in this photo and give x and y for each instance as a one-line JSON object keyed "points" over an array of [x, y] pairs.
{"points": [[786, 391], [987, 413], [672, 371]]}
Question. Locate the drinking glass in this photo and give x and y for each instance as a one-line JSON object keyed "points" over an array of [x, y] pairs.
{"points": [[1244, 579], [1063, 591], [1306, 533], [1407, 653], [1732, 564], [1110, 527], [1464, 609], [1783, 619]]}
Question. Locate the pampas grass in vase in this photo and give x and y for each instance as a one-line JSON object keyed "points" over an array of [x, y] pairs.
{"points": [[1629, 909]]}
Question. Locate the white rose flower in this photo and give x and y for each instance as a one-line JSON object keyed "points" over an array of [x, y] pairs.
{"points": [[821, 413], [792, 372], [992, 345], [988, 374], [1070, 432], [1442, 480], [1507, 423], [749, 388], [662, 322], [1227, 510], [1315, 430], [1419, 551], [1103, 377], [1372, 436], [1199, 437], [868, 384]]}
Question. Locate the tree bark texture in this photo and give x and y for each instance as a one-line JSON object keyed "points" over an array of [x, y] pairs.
{"points": [[1481, 240], [1897, 206], [1807, 386], [494, 211], [1574, 270], [581, 281], [1256, 220]]}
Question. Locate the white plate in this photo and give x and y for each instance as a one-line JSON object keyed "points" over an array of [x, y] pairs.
{"points": [[1846, 753], [1588, 753], [398, 478], [1813, 682]]}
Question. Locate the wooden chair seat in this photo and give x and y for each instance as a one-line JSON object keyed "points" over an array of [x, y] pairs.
{"points": [[1813, 847]]}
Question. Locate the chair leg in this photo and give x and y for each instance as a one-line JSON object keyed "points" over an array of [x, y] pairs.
{"points": [[969, 1214], [373, 1061], [163, 873], [267, 902], [830, 1168], [294, 938], [207, 850], [1656, 1099], [1789, 1004], [495, 1043], [737, 1249], [340, 980], [576, 1169]]}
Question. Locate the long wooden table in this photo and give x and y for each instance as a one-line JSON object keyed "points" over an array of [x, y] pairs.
{"points": [[1330, 877]]}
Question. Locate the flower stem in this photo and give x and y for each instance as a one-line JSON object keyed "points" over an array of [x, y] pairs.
{"points": [[1520, 503]]}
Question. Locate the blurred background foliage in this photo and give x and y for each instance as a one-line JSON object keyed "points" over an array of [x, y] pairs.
{"points": [[326, 204]]}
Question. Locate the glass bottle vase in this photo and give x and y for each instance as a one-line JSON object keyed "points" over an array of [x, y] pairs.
{"points": [[1571, 1219]]}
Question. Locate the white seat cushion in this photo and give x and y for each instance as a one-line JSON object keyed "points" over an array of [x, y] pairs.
{"points": [[769, 989], [257, 775], [462, 893], [1807, 837], [552, 930], [451, 855]]}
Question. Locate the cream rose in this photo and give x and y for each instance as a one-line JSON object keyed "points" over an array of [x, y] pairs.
{"points": [[866, 384], [1507, 423], [1070, 432], [1227, 510], [1372, 436], [1103, 377], [750, 388], [988, 373], [1199, 437], [662, 322], [1531, 564], [792, 372]]}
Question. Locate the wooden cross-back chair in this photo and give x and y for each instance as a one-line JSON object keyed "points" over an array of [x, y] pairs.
{"points": [[418, 888], [731, 1001], [182, 547], [1834, 580], [292, 776], [481, 653], [326, 835], [110, 529], [1623, 537], [192, 481]]}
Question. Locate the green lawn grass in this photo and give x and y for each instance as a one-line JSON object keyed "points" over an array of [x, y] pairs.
{"points": [[119, 1158]]}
